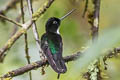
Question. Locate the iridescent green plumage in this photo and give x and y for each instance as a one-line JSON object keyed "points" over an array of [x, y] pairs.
{"points": [[52, 47]]}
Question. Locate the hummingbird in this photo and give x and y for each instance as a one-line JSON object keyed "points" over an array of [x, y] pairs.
{"points": [[52, 45]]}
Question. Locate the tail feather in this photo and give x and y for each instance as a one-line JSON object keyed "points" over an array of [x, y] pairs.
{"points": [[58, 66], [56, 62]]}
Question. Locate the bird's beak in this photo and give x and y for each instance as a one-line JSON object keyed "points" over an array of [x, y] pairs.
{"points": [[67, 14]]}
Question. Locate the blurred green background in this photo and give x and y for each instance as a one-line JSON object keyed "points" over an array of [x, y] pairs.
{"points": [[75, 32]]}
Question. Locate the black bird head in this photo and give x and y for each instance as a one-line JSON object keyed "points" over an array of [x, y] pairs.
{"points": [[53, 23]]}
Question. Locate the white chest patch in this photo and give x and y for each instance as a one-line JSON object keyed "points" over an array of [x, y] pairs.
{"points": [[58, 31]]}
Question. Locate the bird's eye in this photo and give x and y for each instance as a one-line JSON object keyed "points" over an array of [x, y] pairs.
{"points": [[54, 22]]}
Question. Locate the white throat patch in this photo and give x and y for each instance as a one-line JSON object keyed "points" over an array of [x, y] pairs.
{"points": [[58, 31]]}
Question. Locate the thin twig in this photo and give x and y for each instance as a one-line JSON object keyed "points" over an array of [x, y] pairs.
{"points": [[15, 26], [22, 11], [10, 5], [10, 20], [24, 28], [26, 42], [85, 9], [112, 53], [34, 27]]}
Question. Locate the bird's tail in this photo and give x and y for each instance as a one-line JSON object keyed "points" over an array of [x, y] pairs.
{"points": [[60, 66], [57, 63]]}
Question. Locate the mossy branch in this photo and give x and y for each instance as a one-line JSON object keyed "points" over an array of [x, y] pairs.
{"points": [[40, 11], [94, 72], [24, 28], [37, 64]]}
